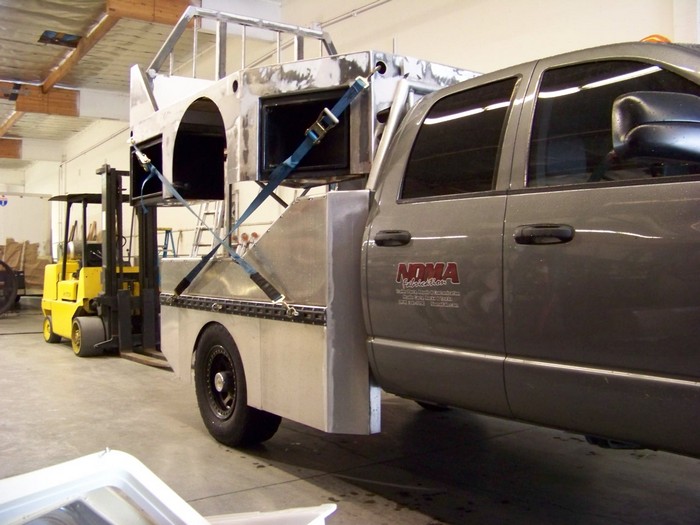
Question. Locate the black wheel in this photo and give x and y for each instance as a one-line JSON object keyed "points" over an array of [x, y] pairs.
{"points": [[222, 394], [85, 333], [49, 335], [8, 287]]}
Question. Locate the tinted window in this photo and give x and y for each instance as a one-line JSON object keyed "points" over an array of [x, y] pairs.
{"points": [[571, 134], [457, 148]]}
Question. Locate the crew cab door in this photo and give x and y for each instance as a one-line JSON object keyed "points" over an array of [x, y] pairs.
{"points": [[434, 248], [602, 262]]}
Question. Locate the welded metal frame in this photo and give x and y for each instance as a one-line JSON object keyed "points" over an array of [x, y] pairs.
{"points": [[223, 19]]}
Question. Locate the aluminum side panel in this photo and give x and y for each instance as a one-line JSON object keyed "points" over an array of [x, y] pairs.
{"points": [[180, 329], [312, 373]]}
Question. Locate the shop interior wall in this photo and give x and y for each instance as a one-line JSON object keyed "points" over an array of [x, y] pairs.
{"points": [[486, 35]]}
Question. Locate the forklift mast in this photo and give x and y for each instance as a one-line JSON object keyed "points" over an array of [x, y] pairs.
{"points": [[128, 307]]}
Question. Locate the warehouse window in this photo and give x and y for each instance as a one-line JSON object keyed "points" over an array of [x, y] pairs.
{"points": [[458, 146], [571, 133]]}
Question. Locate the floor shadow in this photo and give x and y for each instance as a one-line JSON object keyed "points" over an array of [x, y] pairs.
{"points": [[458, 467]]}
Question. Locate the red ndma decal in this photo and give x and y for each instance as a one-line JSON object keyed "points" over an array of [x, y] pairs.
{"points": [[427, 274]]}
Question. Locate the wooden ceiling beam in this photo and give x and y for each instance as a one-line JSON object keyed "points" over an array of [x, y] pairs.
{"points": [[9, 122], [158, 11], [58, 101], [31, 99], [10, 149], [86, 44]]}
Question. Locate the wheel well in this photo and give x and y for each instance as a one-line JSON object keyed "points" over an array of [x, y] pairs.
{"points": [[79, 312], [199, 338]]}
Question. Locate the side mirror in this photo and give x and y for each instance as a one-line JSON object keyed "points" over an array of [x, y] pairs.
{"points": [[656, 125]]}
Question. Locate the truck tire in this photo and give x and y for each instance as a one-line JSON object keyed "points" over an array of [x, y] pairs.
{"points": [[85, 333], [49, 335], [222, 396]]}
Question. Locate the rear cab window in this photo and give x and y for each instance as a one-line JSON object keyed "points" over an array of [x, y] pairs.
{"points": [[458, 146]]}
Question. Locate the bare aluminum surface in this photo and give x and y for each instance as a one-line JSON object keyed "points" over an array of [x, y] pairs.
{"points": [[293, 255], [225, 18], [315, 374]]}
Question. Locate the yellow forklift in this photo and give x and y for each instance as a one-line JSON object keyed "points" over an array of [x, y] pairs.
{"points": [[92, 296]]}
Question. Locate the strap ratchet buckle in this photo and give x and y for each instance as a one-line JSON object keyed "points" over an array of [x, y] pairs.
{"points": [[140, 155], [324, 123]]}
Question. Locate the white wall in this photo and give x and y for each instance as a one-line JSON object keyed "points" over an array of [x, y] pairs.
{"points": [[485, 35], [103, 142], [26, 218], [12, 180]]}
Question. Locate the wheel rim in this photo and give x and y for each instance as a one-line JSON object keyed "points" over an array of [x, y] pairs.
{"points": [[47, 328], [221, 383], [76, 338]]}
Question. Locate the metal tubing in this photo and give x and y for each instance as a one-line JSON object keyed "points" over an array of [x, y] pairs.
{"points": [[65, 242], [220, 50], [195, 46], [172, 39], [192, 11], [85, 254], [243, 42], [298, 48], [279, 47]]}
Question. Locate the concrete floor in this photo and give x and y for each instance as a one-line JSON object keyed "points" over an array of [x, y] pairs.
{"points": [[424, 468]]}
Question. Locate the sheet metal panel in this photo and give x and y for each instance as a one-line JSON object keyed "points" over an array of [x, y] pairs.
{"points": [[312, 373]]}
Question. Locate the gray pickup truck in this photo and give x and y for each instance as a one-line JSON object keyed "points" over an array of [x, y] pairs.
{"points": [[534, 247], [524, 244]]}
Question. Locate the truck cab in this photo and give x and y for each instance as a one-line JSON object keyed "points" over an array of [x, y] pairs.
{"points": [[518, 264]]}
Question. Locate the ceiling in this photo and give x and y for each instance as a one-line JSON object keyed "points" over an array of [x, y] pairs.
{"points": [[40, 83]]}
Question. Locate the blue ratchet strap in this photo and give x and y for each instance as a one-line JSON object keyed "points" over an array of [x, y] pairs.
{"points": [[153, 172], [258, 279], [325, 122]]}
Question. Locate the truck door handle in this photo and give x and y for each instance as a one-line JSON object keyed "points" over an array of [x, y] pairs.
{"points": [[392, 238], [544, 234]]}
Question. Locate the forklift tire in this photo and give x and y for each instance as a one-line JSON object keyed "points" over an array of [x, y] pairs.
{"points": [[49, 335], [222, 393], [85, 333]]}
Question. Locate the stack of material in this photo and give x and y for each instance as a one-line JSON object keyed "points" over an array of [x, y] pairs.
{"points": [[24, 256]]}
